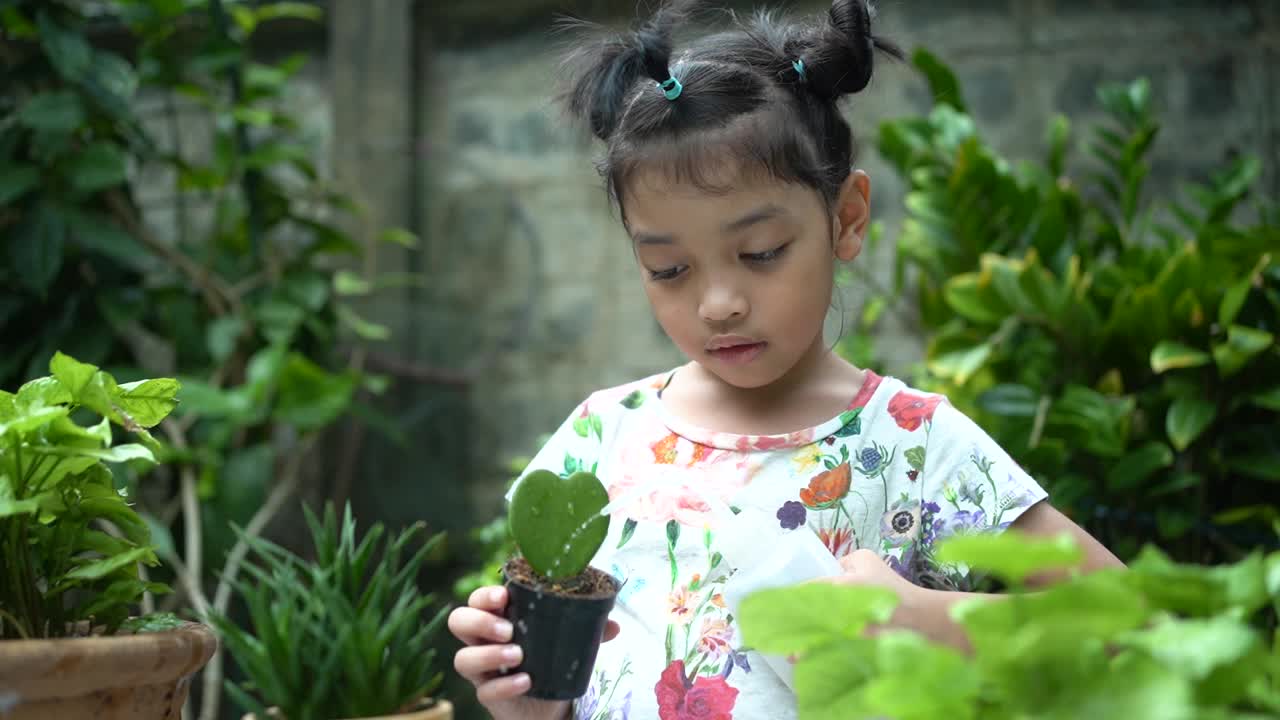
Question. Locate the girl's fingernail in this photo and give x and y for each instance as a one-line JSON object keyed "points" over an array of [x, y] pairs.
{"points": [[497, 595], [512, 654], [503, 629], [521, 681]]}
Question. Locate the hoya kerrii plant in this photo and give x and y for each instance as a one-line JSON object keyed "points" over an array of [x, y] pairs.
{"points": [[559, 605], [346, 635], [1160, 641]]}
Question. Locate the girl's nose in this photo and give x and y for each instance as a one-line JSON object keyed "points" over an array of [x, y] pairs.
{"points": [[721, 303]]}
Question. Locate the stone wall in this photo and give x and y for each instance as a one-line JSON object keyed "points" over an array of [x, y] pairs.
{"points": [[518, 228]]}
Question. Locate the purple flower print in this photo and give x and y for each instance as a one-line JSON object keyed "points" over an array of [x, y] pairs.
{"points": [[791, 515], [903, 566], [968, 521], [736, 659], [586, 707], [930, 522], [870, 459], [624, 712]]}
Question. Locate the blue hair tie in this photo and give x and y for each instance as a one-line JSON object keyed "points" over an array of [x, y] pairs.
{"points": [[671, 88], [798, 64]]}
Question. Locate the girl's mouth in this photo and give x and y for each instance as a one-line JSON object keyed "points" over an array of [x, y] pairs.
{"points": [[738, 354]]}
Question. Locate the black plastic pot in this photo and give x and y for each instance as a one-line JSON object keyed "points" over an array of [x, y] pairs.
{"points": [[560, 636]]}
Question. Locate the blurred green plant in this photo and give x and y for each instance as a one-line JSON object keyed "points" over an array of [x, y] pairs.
{"points": [[249, 295], [1123, 350], [71, 543], [347, 635], [1163, 641]]}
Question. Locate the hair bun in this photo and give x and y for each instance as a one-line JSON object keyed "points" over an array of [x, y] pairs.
{"points": [[843, 51], [602, 72]]}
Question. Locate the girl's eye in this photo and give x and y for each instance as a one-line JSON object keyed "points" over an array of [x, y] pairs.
{"points": [[668, 274], [766, 256]]}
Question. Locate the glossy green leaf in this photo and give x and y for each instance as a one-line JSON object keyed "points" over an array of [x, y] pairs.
{"points": [[148, 402], [1137, 466], [36, 251], [1010, 400], [1187, 418], [781, 621], [1269, 399], [1011, 555], [1233, 301], [942, 81], [556, 521], [973, 297], [960, 365], [16, 181], [58, 111], [311, 397], [1242, 345], [99, 166], [1169, 355]]}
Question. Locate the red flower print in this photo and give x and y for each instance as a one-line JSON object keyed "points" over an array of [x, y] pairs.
{"points": [[838, 540], [827, 489], [700, 453], [912, 411], [664, 451], [707, 698]]}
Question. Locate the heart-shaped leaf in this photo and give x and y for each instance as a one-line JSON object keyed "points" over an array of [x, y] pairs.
{"points": [[556, 521]]}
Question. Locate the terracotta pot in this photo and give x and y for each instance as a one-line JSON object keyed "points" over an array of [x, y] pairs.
{"points": [[124, 677], [440, 710]]}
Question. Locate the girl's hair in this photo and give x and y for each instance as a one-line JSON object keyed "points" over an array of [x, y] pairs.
{"points": [[762, 94]]}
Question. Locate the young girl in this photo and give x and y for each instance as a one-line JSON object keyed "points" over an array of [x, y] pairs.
{"points": [[729, 162]]}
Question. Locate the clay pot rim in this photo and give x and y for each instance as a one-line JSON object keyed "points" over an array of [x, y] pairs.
{"points": [[438, 706], [46, 668]]}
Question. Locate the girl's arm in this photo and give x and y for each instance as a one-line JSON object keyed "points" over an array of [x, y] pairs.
{"points": [[928, 612]]}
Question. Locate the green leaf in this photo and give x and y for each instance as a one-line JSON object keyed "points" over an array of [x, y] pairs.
{"points": [[222, 334], [1200, 591], [348, 283], [1187, 418], [399, 236], [16, 180], [156, 622], [1197, 648], [1138, 465], [628, 529], [36, 252], [148, 401], [1169, 355], [1269, 399], [942, 82], [1242, 345], [101, 568], [99, 166], [974, 298], [30, 420], [45, 391], [582, 426], [830, 679], [1011, 555], [67, 51], [295, 10], [556, 522], [1010, 400], [99, 233], [960, 365], [915, 457], [58, 111], [73, 375], [1134, 688], [1232, 302], [115, 454], [781, 621], [309, 397], [634, 400], [364, 329]]}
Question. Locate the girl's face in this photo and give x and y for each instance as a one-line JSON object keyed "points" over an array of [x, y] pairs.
{"points": [[741, 280]]}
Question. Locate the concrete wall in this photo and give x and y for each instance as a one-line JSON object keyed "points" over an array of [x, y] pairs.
{"points": [[511, 197]]}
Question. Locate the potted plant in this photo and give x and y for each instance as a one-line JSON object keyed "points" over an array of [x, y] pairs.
{"points": [[70, 550], [1161, 640], [558, 604], [347, 635]]}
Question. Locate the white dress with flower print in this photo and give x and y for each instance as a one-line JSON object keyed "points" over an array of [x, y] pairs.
{"points": [[894, 472]]}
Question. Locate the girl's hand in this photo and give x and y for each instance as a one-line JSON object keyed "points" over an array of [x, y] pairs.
{"points": [[865, 567], [489, 651], [920, 609]]}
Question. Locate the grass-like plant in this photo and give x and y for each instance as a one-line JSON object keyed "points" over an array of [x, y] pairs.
{"points": [[347, 635]]}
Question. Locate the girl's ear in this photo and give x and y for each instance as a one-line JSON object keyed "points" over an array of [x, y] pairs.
{"points": [[853, 215]]}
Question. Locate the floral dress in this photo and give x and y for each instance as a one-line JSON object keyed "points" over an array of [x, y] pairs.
{"points": [[894, 472]]}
